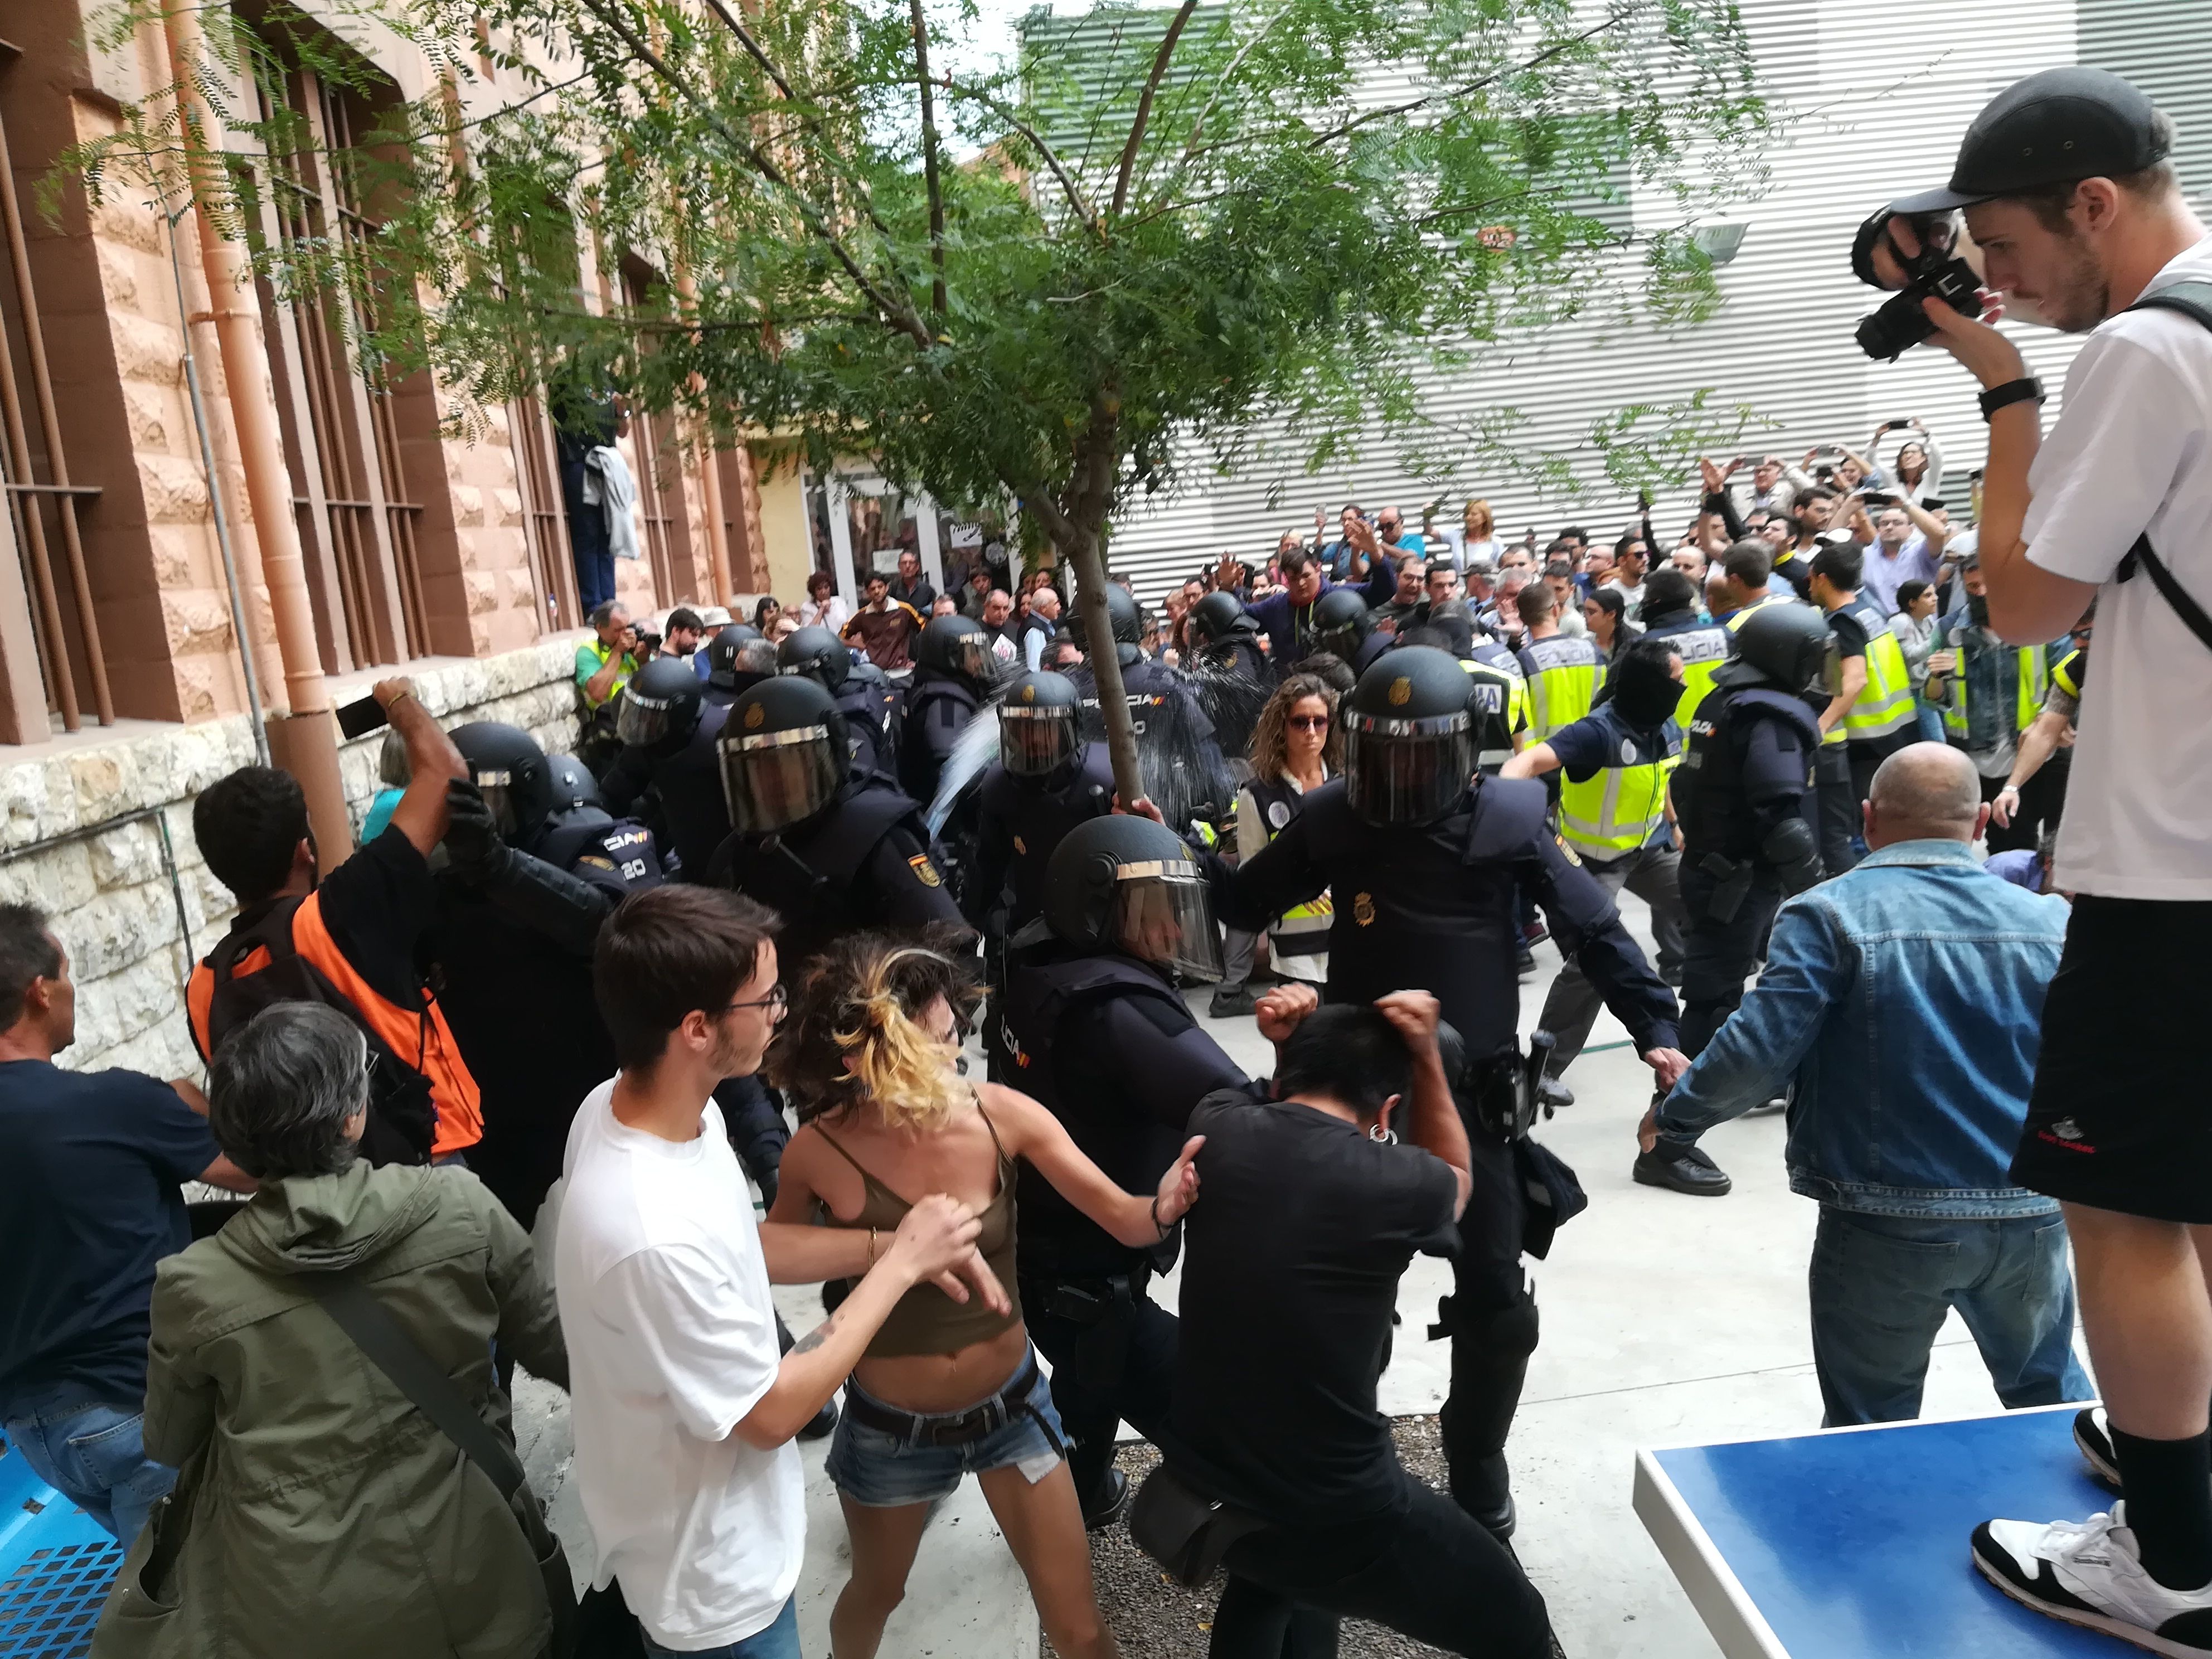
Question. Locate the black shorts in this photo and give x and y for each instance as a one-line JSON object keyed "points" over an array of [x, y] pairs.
{"points": [[2120, 1119]]}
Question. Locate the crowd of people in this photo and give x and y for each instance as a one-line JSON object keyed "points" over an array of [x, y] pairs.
{"points": [[500, 1088]]}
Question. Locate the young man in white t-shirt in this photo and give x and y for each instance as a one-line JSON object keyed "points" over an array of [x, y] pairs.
{"points": [[685, 1411], [2070, 196]]}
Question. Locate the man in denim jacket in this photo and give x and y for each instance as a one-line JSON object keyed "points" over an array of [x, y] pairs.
{"points": [[1904, 998]]}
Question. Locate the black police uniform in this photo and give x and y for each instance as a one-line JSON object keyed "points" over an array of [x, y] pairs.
{"points": [[512, 966], [1178, 750], [865, 862], [1104, 1042], [938, 706], [1435, 906], [1748, 776], [1238, 653], [1019, 823], [689, 785]]}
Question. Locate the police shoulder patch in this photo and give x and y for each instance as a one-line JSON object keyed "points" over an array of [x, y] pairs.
{"points": [[925, 872]]}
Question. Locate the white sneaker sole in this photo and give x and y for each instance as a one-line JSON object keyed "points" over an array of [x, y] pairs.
{"points": [[2150, 1641]]}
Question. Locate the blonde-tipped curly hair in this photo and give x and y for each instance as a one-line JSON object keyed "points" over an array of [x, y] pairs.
{"points": [[855, 1039]]}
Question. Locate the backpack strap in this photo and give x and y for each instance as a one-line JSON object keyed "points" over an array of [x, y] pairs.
{"points": [[2194, 301]]}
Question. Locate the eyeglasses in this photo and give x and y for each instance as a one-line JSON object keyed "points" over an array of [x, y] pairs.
{"points": [[778, 998], [1309, 722]]}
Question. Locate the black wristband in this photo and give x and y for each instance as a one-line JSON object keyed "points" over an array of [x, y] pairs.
{"points": [[2012, 392]]}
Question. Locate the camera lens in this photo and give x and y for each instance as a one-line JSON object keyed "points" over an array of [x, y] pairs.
{"points": [[1898, 325]]}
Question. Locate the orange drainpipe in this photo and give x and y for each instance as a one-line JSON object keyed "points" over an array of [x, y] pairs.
{"points": [[309, 736]]}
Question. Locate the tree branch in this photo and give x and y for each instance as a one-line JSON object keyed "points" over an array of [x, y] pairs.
{"points": [[1160, 61], [1005, 114], [937, 294], [897, 316]]}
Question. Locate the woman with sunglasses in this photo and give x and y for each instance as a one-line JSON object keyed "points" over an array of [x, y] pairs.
{"points": [[1295, 748], [871, 1057]]}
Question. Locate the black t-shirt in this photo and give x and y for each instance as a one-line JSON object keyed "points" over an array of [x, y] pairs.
{"points": [[1850, 628], [381, 906], [1291, 1274], [90, 1167]]}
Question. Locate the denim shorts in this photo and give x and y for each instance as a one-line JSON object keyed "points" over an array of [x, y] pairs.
{"points": [[880, 1469]]}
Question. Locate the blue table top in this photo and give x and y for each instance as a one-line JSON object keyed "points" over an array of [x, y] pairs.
{"points": [[1854, 1545]]}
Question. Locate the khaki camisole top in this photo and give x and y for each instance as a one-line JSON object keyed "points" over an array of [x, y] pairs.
{"points": [[926, 1320]]}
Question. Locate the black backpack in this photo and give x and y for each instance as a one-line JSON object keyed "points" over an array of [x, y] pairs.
{"points": [[2194, 301], [403, 1118]]}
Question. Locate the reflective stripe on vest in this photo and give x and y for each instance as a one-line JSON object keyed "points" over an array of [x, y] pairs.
{"points": [[1564, 685], [1705, 650], [1615, 811], [1306, 924], [1886, 704], [2031, 682], [1734, 624]]}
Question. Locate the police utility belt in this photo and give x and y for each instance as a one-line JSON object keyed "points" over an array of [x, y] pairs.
{"points": [[1500, 1090], [1088, 1299]]}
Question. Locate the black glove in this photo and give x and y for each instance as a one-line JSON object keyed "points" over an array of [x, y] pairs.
{"points": [[473, 849]]}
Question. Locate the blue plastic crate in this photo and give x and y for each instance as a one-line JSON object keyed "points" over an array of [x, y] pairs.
{"points": [[56, 1566]]}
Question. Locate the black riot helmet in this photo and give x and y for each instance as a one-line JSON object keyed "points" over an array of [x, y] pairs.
{"points": [[1788, 646], [510, 772], [956, 645], [1409, 745], [1338, 625], [722, 653], [1127, 619], [659, 707], [817, 653], [1037, 722], [1122, 882], [570, 786], [784, 754], [1218, 616]]}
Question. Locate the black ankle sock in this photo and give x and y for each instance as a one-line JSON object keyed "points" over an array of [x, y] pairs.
{"points": [[2169, 1488]]}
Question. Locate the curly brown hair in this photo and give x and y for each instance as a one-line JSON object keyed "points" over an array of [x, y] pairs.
{"points": [[1270, 744], [855, 1037]]}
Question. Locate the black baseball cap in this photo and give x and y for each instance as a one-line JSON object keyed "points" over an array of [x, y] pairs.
{"points": [[2050, 129]]}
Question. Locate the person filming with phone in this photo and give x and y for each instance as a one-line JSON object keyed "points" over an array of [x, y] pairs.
{"points": [[2068, 189]]}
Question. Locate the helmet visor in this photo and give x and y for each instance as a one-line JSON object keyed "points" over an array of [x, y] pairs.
{"points": [[1033, 742], [496, 786], [1408, 772], [1161, 914], [971, 655], [777, 779], [1342, 643], [641, 722]]}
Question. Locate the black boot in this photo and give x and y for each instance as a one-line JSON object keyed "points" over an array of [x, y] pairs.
{"points": [[1489, 1364], [1103, 1507]]}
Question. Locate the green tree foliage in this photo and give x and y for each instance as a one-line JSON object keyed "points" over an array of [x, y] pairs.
{"points": [[1158, 230]]}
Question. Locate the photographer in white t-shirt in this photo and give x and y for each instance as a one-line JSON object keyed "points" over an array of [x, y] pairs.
{"points": [[2070, 197]]}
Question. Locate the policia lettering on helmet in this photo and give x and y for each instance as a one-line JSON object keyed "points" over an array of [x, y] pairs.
{"points": [[1426, 861], [827, 660], [1092, 1026], [829, 849], [670, 724], [1745, 799], [534, 862], [1874, 715]]}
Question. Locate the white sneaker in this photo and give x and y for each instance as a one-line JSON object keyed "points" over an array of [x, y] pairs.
{"points": [[2093, 1433], [2090, 1575]]}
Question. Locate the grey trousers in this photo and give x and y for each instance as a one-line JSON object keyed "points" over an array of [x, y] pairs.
{"points": [[1653, 874]]}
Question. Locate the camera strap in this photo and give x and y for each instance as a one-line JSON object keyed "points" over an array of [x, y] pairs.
{"points": [[2194, 301]]}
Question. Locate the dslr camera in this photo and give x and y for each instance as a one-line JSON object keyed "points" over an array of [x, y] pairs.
{"points": [[1936, 270]]}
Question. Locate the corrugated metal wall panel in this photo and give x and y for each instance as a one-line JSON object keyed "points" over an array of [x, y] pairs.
{"points": [[1874, 103]]}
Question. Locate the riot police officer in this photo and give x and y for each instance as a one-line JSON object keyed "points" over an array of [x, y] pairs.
{"points": [[1047, 779], [1185, 772], [1744, 798], [827, 846], [533, 864], [953, 670], [1425, 861], [670, 724], [1342, 627], [826, 659], [1093, 1027], [1224, 640]]}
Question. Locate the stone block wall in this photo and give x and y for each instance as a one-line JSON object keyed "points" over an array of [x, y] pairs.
{"points": [[101, 838]]}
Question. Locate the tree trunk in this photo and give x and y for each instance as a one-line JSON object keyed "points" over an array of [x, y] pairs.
{"points": [[1081, 551]]}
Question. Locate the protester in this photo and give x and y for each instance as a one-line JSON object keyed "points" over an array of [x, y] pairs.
{"points": [[684, 1410], [1296, 747], [1311, 1211], [824, 607], [1606, 613], [1904, 1145], [885, 628], [1915, 626], [322, 1508], [90, 1200], [944, 1388]]}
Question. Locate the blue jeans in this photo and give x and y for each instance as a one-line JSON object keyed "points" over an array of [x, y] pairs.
{"points": [[1931, 722], [779, 1641], [94, 1456], [1881, 1284]]}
